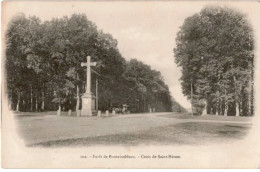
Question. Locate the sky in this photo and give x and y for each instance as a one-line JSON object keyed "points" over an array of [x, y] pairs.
{"points": [[144, 30]]}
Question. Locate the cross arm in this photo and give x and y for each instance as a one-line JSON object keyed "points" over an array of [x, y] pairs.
{"points": [[83, 64], [86, 64]]}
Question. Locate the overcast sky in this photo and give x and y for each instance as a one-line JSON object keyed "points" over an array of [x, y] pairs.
{"points": [[144, 30]]}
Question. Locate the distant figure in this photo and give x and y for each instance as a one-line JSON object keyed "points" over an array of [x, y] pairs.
{"points": [[124, 110]]}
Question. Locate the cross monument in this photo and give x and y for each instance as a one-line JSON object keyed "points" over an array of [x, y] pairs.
{"points": [[87, 97]]}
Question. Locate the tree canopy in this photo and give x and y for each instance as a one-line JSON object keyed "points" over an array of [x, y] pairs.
{"points": [[43, 68], [215, 50]]}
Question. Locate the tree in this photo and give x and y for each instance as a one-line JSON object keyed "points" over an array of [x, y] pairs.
{"points": [[43, 66], [22, 62], [215, 51], [148, 87]]}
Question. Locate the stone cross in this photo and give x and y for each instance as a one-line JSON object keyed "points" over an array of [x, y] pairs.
{"points": [[88, 65], [87, 97]]}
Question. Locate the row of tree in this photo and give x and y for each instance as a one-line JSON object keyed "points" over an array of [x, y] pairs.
{"points": [[43, 69], [215, 50]]}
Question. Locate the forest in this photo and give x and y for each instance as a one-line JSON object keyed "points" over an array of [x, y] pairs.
{"points": [[43, 72], [215, 51]]}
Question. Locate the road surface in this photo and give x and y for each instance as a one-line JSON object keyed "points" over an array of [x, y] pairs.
{"points": [[47, 129]]}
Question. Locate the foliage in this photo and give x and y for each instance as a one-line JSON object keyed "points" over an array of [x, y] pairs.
{"points": [[43, 67], [215, 52]]}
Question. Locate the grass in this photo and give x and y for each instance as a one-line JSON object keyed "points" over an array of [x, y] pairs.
{"points": [[189, 133]]}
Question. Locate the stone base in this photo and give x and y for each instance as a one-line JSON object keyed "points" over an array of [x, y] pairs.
{"points": [[88, 106], [86, 112]]}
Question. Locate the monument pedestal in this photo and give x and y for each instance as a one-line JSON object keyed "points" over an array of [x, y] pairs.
{"points": [[88, 104]]}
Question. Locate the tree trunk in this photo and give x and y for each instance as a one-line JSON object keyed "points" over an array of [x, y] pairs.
{"points": [[226, 106], [97, 94], [43, 99], [217, 108], [10, 103], [240, 109], [249, 99], [144, 104], [78, 102], [218, 105], [244, 102], [23, 107], [29, 104], [78, 98], [78, 111], [225, 109], [36, 104], [191, 90], [252, 99], [18, 103], [204, 112], [237, 109], [59, 111], [218, 94], [31, 99]]}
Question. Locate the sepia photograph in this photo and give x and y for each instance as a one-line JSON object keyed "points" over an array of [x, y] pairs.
{"points": [[130, 84]]}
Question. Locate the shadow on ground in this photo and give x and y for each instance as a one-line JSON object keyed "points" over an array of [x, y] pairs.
{"points": [[188, 133], [208, 117]]}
